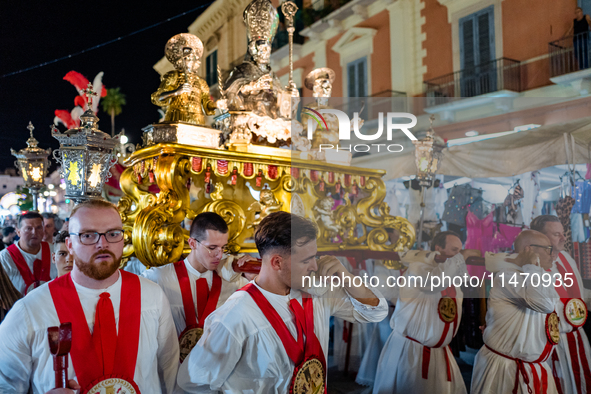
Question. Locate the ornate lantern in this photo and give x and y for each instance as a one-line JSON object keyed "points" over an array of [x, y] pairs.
{"points": [[428, 156], [85, 155], [32, 163]]}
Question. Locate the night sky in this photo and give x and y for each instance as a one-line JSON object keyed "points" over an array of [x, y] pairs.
{"points": [[40, 31]]}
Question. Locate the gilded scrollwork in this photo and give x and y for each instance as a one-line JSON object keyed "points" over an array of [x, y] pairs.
{"points": [[346, 202]]}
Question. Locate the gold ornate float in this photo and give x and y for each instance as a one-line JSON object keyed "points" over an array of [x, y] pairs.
{"points": [[239, 171]]}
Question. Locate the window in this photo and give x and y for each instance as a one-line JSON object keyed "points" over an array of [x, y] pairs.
{"points": [[357, 77], [477, 53], [211, 68]]}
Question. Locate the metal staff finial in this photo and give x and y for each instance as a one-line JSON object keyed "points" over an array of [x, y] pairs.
{"points": [[89, 93], [289, 10], [31, 128]]}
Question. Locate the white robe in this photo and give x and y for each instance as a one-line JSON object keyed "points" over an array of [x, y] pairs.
{"points": [[26, 360], [360, 336], [166, 277], [13, 272], [381, 331], [416, 316], [516, 327], [564, 366], [240, 352]]}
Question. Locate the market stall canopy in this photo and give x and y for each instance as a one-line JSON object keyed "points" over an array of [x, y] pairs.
{"points": [[507, 155]]}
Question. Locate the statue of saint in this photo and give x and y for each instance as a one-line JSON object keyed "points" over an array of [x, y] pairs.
{"points": [[256, 99], [182, 92]]}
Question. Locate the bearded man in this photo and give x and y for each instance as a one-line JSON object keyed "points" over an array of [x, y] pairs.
{"points": [[123, 334]]}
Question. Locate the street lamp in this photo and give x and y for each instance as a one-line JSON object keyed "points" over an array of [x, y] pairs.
{"points": [[428, 156], [85, 155], [32, 163]]}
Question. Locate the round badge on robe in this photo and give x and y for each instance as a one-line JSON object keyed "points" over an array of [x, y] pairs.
{"points": [[309, 378], [188, 339], [552, 324], [447, 309], [575, 312], [111, 385]]}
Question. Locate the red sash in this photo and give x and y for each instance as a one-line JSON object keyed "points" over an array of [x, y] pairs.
{"points": [[574, 291], [540, 382], [298, 351], [85, 360], [578, 358], [207, 300], [451, 293], [41, 268]]}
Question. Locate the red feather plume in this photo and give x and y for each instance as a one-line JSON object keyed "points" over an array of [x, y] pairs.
{"points": [[77, 79]]}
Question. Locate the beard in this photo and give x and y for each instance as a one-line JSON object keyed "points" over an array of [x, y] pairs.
{"points": [[98, 271]]}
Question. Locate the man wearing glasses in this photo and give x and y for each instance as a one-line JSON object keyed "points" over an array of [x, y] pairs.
{"points": [[572, 357], [122, 329], [202, 282], [521, 323], [28, 261]]}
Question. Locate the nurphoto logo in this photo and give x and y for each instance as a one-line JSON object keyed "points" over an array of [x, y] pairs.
{"points": [[316, 120]]}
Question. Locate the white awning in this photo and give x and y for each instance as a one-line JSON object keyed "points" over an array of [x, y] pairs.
{"points": [[507, 155]]}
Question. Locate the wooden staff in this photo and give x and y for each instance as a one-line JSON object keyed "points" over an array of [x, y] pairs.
{"points": [[254, 267]]}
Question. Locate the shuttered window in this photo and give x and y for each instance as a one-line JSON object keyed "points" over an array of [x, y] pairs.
{"points": [[211, 68], [477, 53], [357, 78]]}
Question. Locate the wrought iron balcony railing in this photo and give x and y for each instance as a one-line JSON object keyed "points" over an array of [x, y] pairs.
{"points": [[493, 76], [569, 54]]}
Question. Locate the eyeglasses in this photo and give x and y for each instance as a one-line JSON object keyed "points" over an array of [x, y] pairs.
{"points": [[213, 249], [92, 237], [550, 249]]}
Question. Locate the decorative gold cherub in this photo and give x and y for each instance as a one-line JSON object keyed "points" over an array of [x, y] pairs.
{"points": [[266, 205], [326, 216], [182, 92]]}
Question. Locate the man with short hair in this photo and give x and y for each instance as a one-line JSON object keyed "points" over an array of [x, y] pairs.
{"points": [[122, 329], [51, 224], [416, 356], [521, 322], [62, 258], [202, 282], [572, 357], [271, 336], [28, 261], [8, 234]]}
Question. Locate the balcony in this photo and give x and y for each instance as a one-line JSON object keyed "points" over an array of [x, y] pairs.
{"points": [[499, 75], [569, 62], [569, 54]]}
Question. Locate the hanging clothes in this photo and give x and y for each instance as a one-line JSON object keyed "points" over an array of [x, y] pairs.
{"points": [[479, 235], [582, 195], [531, 203], [504, 236], [456, 206], [563, 210]]}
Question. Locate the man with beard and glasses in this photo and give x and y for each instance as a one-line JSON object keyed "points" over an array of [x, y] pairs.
{"points": [[28, 261], [199, 284], [123, 335], [272, 335]]}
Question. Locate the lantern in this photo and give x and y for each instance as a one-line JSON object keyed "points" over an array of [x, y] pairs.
{"points": [[428, 156], [85, 155], [32, 163]]}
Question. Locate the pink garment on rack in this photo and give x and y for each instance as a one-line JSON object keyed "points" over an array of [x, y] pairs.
{"points": [[504, 237], [479, 235]]}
